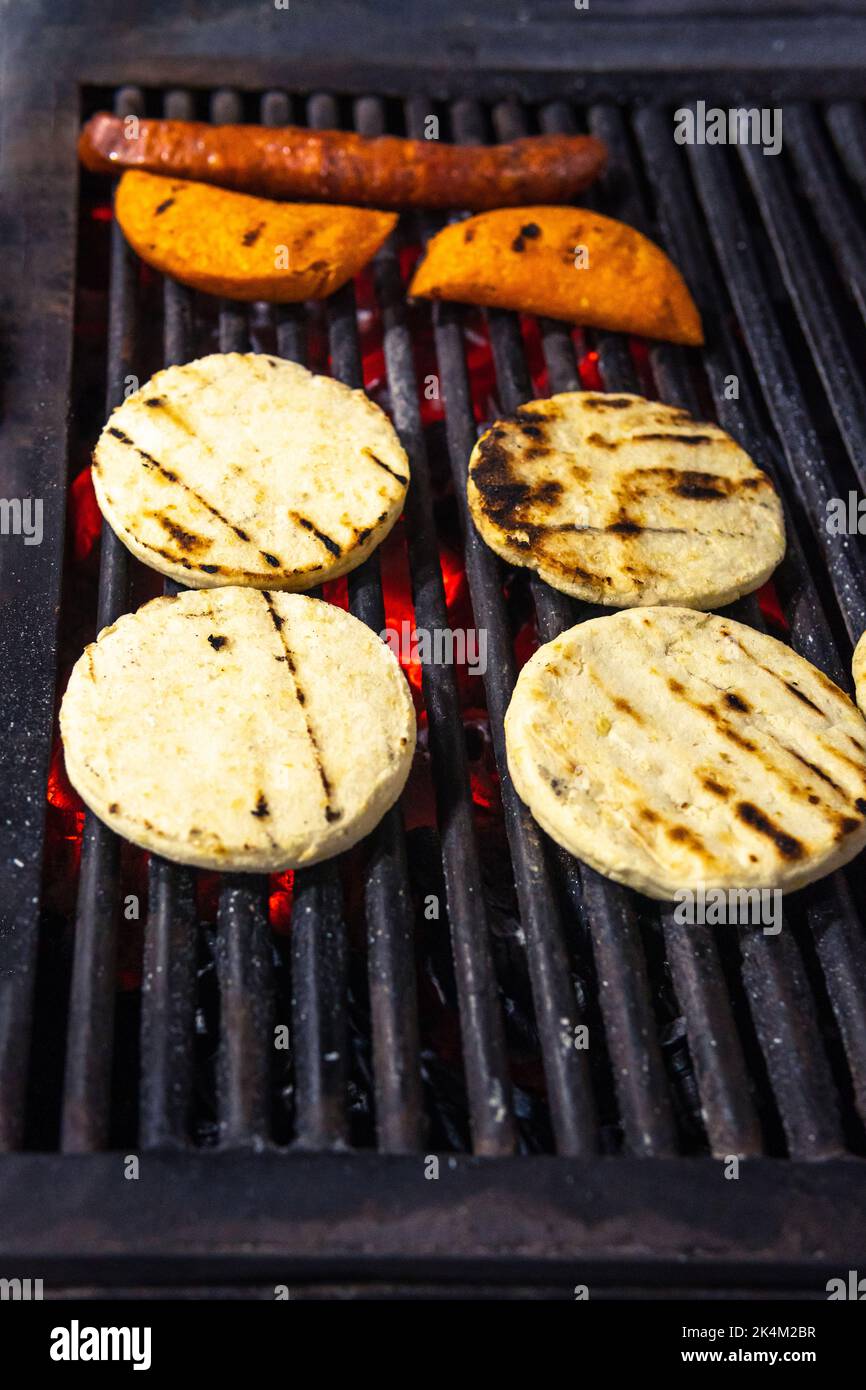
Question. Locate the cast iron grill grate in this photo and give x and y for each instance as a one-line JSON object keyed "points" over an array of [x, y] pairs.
{"points": [[701, 1040]]}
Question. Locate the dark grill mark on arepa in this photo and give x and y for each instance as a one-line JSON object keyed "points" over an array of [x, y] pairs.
{"points": [[170, 476], [735, 701], [682, 835], [679, 438], [388, 469], [173, 557], [805, 698], [261, 809], [270, 559], [163, 206], [606, 403], [818, 771], [846, 825], [188, 541], [702, 487], [217, 642], [727, 730], [303, 521], [625, 708], [251, 236], [715, 787], [789, 846], [331, 814]]}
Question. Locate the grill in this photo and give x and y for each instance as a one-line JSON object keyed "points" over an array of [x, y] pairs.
{"points": [[555, 1163]]}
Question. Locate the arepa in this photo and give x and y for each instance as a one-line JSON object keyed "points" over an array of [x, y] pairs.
{"points": [[623, 501], [239, 729], [671, 749], [241, 468]]}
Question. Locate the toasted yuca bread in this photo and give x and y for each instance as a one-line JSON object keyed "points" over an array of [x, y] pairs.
{"points": [[243, 247], [239, 729], [672, 750], [858, 667], [568, 263], [247, 469], [623, 501]]}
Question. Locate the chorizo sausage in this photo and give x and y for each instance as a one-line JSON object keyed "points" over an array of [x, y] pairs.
{"points": [[334, 166]]}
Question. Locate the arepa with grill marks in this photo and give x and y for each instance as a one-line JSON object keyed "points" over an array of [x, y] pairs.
{"points": [[672, 749], [622, 501], [239, 729], [242, 468]]}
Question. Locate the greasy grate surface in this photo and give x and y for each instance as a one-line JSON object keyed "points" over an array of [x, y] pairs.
{"points": [[404, 1033]]}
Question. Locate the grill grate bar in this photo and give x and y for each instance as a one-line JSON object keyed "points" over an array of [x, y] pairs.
{"points": [[807, 467], [809, 292], [848, 129], [87, 1080], [319, 960], [569, 1091], [169, 980], [606, 910], [773, 972], [839, 223], [482, 1031], [729, 1114], [388, 904], [243, 946], [387, 901]]}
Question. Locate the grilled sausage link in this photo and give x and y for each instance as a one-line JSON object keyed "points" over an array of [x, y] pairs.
{"points": [[333, 166]]}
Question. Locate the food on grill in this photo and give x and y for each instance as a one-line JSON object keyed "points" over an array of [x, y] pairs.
{"points": [[623, 501], [246, 248], [239, 729], [334, 166], [673, 750], [246, 469], [858, 667], [567, 263]]}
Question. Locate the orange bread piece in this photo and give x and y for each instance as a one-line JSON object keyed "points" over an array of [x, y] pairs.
{"points": [[563, 262], [243, 247]]}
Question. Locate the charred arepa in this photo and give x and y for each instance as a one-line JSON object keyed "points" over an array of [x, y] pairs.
{"points": [[672, 749], [623, 501], [239, 729], [241, 468]]}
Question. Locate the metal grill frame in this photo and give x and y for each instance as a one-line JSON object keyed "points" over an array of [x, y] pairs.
{"points": [[646, 1220]]}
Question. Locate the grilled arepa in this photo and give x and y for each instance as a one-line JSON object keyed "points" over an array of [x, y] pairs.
{"points": [[858, 667], [672, 749], [242, 468], [239, 729], [623, 501]]}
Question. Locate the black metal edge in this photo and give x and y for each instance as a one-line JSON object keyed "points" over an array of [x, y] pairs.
{"points": [[236, 1216], [38, 197], [533, 50]]}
